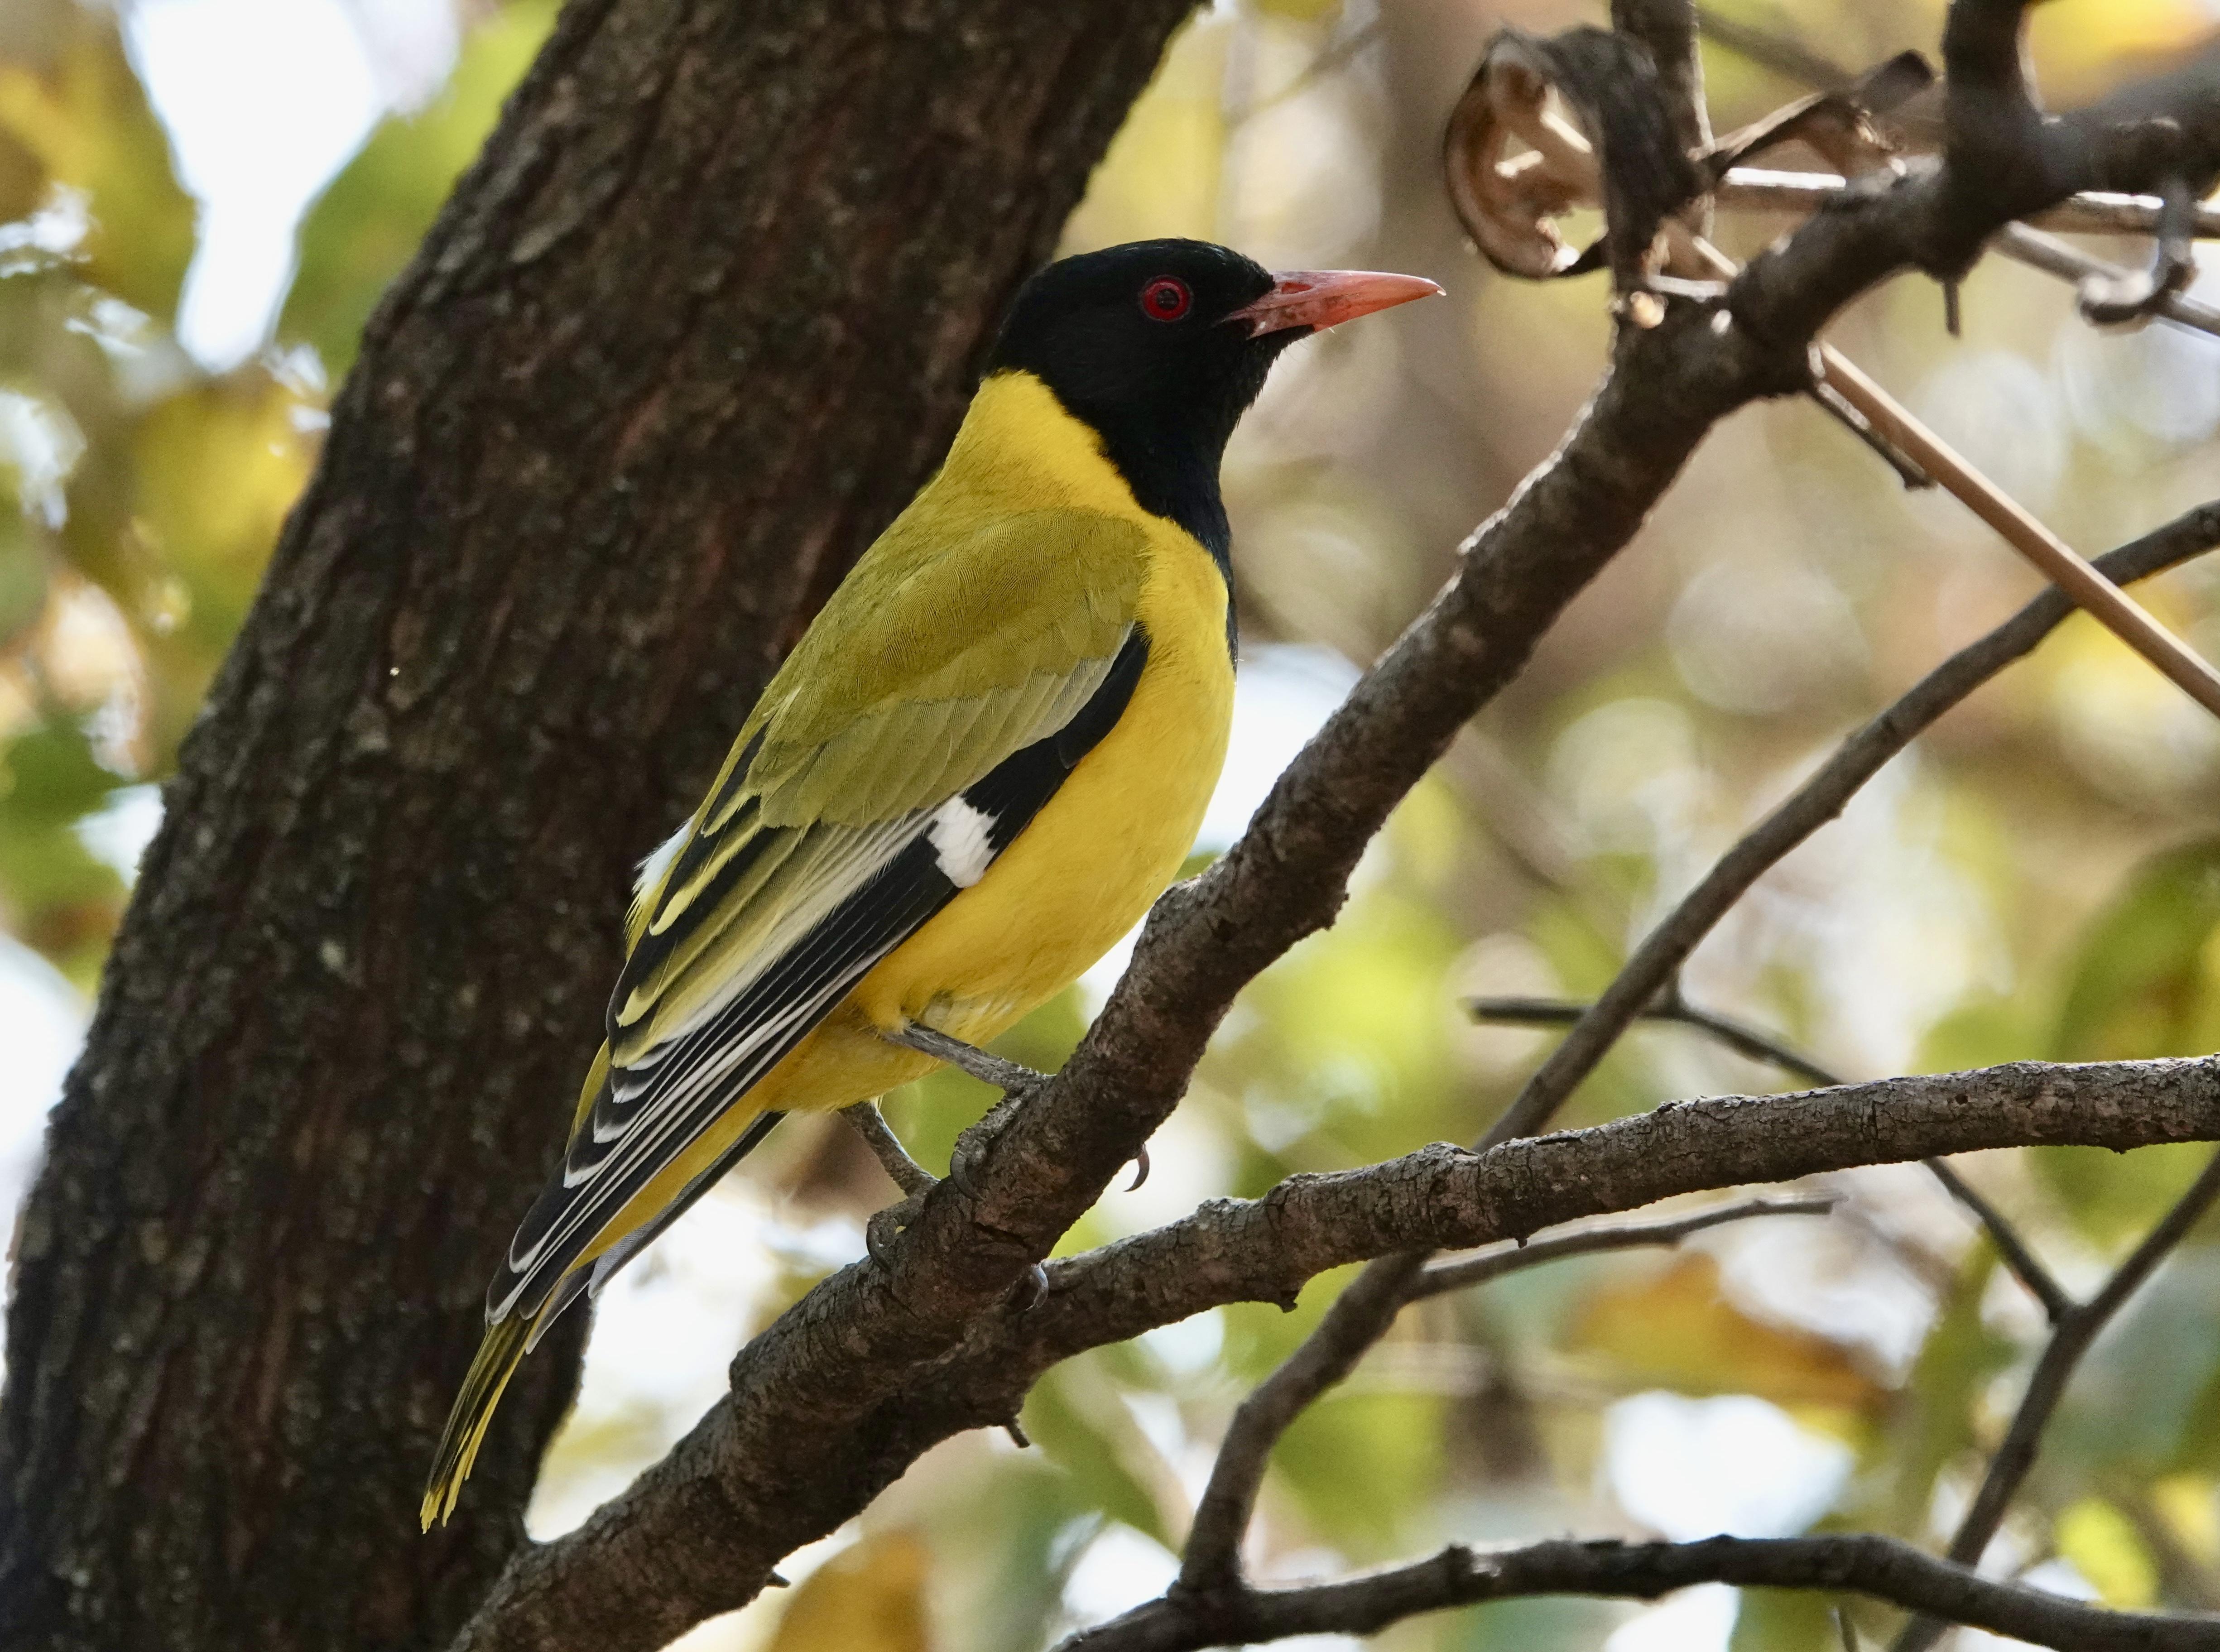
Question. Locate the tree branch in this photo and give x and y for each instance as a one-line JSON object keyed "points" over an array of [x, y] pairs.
{"points": [[1444, 1197], [1810, 807], [1466, 1271], [1881, 1567], [2076, 1332], [1358, 1318], [2076, 1325], [1368, 1306], [1666, 30], [1748, 1041]]}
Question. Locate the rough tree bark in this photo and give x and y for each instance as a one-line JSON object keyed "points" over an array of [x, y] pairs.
{"points": [[690, 332]]}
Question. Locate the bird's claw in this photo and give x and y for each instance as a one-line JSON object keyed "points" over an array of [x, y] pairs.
{"points": [[970, 1149], [880, 1232]]}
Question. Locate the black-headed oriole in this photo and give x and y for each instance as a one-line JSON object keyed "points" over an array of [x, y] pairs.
{"points": [[985, 759]]}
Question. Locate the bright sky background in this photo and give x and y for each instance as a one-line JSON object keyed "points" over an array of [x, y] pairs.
{"points": [[264, 100]]}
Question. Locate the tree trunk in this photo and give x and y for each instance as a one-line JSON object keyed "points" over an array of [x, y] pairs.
{"points": [[691, 330]]}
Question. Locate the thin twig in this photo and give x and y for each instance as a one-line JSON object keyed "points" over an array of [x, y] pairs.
{"points": [[2093, 212], [2011, 1250], [1765, 190], [1466, 1271], [1747, 1040], [2057, 561], [2054, 257], [902, 1170], [1882, 1568], [1743, 1039], [1814, 803], [2076, 1332], [1358, 1318]]}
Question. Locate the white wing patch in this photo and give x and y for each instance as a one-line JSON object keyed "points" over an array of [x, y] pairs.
{"points": [[657, 863], [960, 842]]}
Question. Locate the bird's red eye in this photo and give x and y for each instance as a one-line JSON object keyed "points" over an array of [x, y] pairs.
{"points": [[1166, 299]]}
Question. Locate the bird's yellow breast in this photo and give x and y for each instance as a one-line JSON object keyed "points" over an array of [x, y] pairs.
{"points": [[1088, 866]]}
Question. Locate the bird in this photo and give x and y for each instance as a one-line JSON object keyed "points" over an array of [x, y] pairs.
{"points": [[983, 761]]}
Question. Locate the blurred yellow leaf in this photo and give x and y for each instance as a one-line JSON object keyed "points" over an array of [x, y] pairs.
{"points": [[22, 178], [2102, 1543], [1675, 1329], [2190, 1505], [84, 116], [366, 225], [1161, 174], [2082, 51], [869, 1597], [219, 466]]}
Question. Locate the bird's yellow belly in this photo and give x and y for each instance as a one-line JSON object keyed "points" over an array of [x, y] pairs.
{"points": [[1066, 890], [1081, 875]]}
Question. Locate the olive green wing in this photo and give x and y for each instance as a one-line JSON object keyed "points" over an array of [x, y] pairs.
{"points": [[937, 702]]}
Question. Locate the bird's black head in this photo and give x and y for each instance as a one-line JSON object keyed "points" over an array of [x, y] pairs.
{"points": [[1160, 346]]}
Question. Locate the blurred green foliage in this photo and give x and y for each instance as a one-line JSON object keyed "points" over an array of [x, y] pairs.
{"points": [[2039, 879], [365, 227]]}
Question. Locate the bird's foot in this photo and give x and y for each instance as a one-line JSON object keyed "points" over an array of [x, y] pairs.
{"points": [[1016, 1083], [971, 1150], [881, 1232], [1008, 1076], [902, 1170], [905, 1172]]}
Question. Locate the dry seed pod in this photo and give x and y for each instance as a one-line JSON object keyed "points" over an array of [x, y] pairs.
{"points": [[1551, 123]]}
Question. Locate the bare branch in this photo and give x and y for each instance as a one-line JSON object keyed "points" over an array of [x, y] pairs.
{"points": [[1366, 1309], [2011, 1250], [1457, 1275], [1748, 1041], [2054, 257], [2092, 212], [2076, 1332], [1358, 1318], [1667, 30], [1882, 1568], [1814, 803], [1445, 1197]]}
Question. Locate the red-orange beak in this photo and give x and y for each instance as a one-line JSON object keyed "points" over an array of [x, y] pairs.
{"points": [[1322, 298]]}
